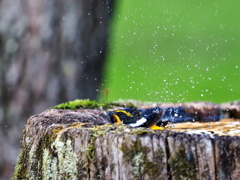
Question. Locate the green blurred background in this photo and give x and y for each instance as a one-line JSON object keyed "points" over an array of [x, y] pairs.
{"points": [[175, 51]]}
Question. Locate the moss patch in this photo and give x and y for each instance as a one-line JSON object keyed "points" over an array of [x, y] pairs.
{"points": [[181, 166], [23, 158], [79, 104], [52, 155], [30, 158], [136, 155], [97, 131], [142, 131], [87, 104]]}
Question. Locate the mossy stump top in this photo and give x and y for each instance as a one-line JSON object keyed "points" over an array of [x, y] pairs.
{"points": [[80, 144]]}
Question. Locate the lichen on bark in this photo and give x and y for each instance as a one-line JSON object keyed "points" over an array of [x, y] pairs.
{"points": [[81, 144], [137, 155]]}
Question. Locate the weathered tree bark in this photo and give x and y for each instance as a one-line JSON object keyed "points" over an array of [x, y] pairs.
{"points": [[50, 52], [79, 144], [231, 109]]}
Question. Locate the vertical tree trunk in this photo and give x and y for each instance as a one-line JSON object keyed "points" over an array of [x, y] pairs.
{"points": [[50, 52]]}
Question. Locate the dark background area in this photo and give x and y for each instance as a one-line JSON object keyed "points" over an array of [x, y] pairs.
{"points": [[50, 52]]}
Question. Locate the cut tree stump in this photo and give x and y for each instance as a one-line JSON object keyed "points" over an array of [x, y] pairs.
{"points": [[81, 144]]}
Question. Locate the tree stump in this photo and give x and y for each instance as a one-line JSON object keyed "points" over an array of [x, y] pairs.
{"points": [[81, 144]]}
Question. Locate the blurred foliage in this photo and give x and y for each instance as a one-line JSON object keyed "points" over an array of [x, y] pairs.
{"points": [[175, 51]]}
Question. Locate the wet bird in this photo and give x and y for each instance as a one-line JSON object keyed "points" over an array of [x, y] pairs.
{"points": [[138, 117], [157, 118]]}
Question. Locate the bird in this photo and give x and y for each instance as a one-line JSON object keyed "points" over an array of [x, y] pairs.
{"points": [[135, 117], [156, 118]]}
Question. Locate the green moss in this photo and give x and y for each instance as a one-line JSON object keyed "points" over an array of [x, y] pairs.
{"points": [[136, 155], [52, 155], [87, 104], [39, 157], [21, 168], [32, 157], [142, 130], [117, 129], [97, 131], [22, 162], [181, 166], [79, 104], [61, 157]]}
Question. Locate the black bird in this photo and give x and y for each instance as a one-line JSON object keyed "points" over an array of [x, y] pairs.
{"points": [[138, 117]]}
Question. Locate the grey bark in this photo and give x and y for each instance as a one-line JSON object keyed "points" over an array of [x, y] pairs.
{"points": [[65, 144], [50, 52]]}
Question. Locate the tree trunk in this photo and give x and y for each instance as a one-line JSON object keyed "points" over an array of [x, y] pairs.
{"points": [[50, 52], [79, 144]]}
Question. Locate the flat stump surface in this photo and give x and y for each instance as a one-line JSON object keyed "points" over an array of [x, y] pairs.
{"points": [[79, 144]]}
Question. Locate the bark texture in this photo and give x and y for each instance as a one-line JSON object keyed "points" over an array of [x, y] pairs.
{"points": [[50, 52], [80, 144], [231, 109]]}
